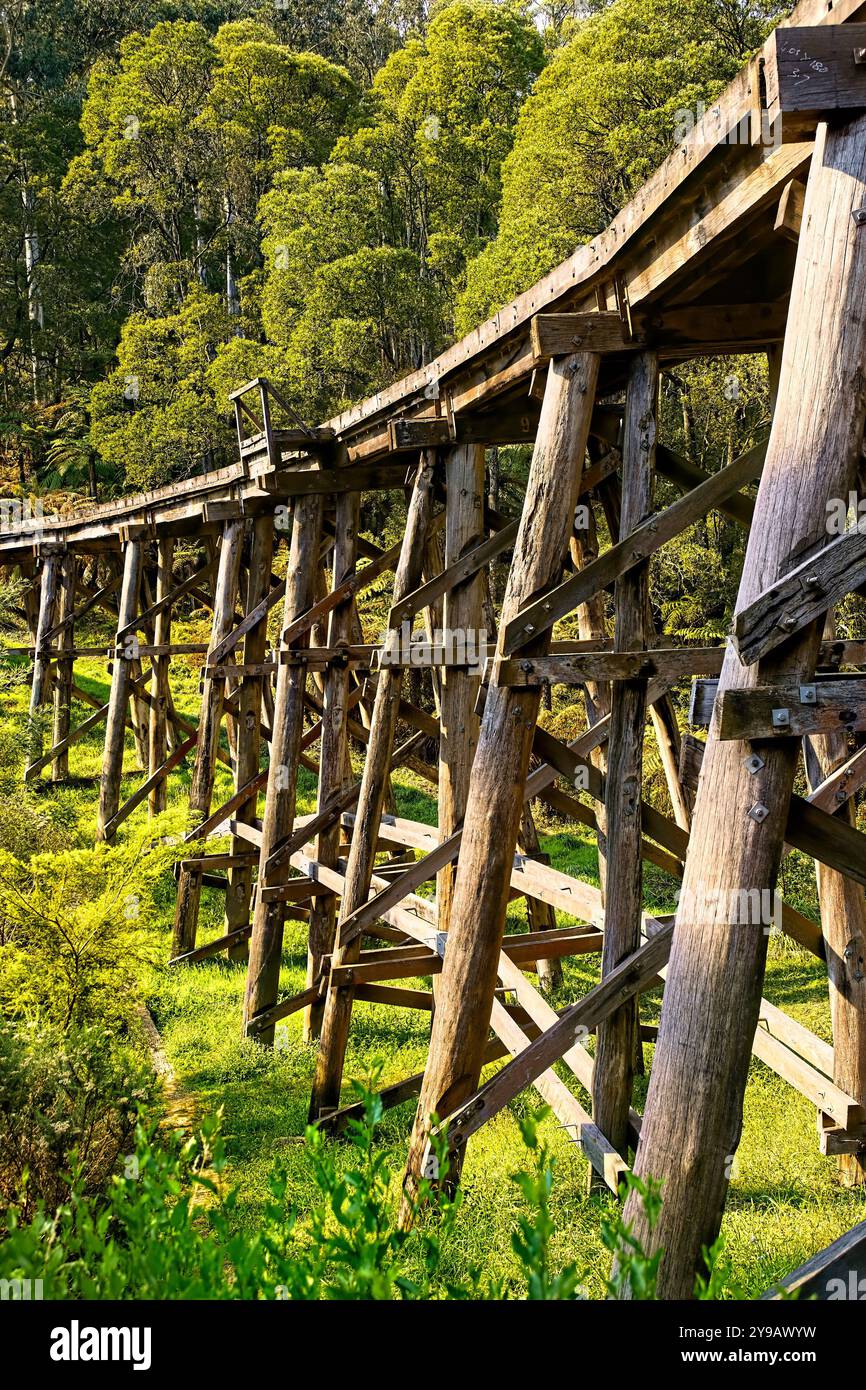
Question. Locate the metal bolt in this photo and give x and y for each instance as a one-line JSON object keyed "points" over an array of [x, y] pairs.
{"points": [[759, 812], [808, 695], [859, 215], [788, 623], [859, 56], [529, 627], [781, 718], [753, 763]]}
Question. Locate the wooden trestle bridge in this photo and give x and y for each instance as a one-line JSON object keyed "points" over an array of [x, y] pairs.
{"points": [[750, 238]]}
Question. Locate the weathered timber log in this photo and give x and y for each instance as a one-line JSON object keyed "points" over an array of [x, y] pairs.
{"points": [[617, 1037], [634, 974], [809, 71], [334, 769], [267, 935], [793, 710], [694, 1108], [115, 724], [157, 742], [50, 578], [458, 687], [805, 593], [541, 914], [667, 663], [210, 721], [843, 923], [558, 335], [502, 760], [592, 627], [63, 668], [249, 698], [371, 800]]}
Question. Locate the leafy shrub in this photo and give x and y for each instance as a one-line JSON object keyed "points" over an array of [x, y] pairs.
{"points": [[66, 1101], [635, 1273], [76, 927], [27, 824], [167, 1228]]}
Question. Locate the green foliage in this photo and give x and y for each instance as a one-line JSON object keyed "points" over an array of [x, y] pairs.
{"points": [[155, 417], [360, 34], [67, 1100], [634, 1272], [602, 116], [75, 928], [166, 1228], [717, 1282], [535, 1229], [58, 319], [365, 256]]}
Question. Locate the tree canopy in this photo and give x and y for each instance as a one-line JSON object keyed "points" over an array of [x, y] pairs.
{"points": [[197, 191]]}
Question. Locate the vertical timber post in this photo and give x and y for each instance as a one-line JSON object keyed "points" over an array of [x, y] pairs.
{"points": [[63, 670], [266, 942], [540, 915], [493, 810], [210, 721], [115, 724], [462, 614], [334, 747], [615, 1045], [693, 1117], [258, 579], [843, 924], [157, 740], [592, 627], [371, 799], [41, 660]]}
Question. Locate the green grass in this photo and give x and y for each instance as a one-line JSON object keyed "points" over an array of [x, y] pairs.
{"points": [[785, 1201]]}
